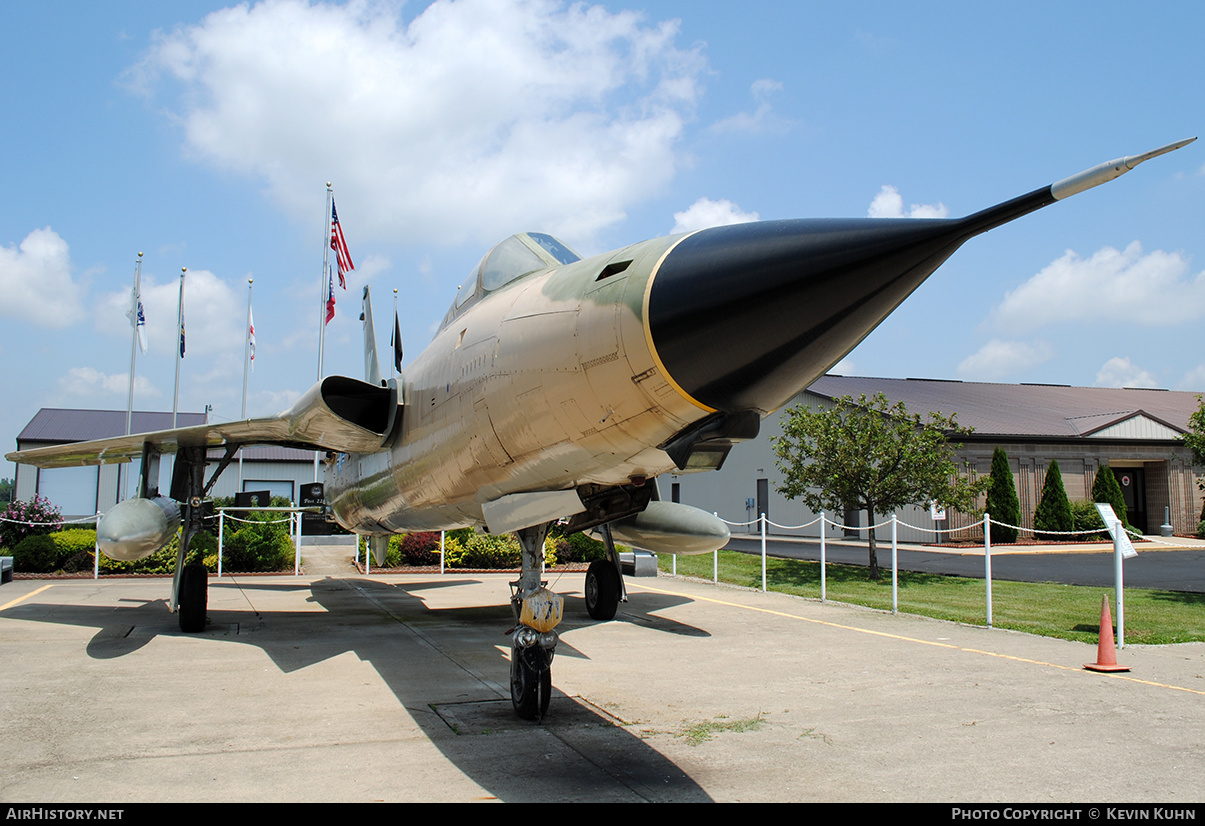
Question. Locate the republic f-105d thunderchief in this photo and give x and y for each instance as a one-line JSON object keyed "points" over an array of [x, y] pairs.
{"points": [[560, 388]]}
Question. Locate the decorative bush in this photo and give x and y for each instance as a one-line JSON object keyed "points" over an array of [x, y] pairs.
{"points": [[1107, 489], [257, 546], [1087, 518], [419, 548], [1054, 509], [37, 554], [1002, 502], [33, 518], [46, 553], [577, 547]]}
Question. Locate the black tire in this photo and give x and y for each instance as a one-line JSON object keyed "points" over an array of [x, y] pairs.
{"points": [[530, 682], [602, 590], [194, 598]]}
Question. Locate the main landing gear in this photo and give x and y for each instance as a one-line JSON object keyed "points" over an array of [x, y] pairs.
{"points": [[604, 582], [190, 585]]}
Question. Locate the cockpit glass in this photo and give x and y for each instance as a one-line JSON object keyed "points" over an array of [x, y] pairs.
{"points": [[468, 289], [508, 261], [554, 248]]}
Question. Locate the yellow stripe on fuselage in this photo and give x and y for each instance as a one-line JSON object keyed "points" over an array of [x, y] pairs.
{"points": [[648, 331]]}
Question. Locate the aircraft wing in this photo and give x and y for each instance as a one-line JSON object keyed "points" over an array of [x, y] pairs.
{"points": [[338, 413]]}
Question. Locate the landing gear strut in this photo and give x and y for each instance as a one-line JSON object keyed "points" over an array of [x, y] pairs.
{"points": [[533, 643], [190, 586]]}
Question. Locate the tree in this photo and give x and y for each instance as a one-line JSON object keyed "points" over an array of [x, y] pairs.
{"points": [[1002, 503], [873, 457], [1107, 489], [1054, 508], [1195, 439]]}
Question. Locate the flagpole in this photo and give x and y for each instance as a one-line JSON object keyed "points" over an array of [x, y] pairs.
{"points": [[322, 288], [246, 364], [180, 348], [322, 282], [137, 298]]}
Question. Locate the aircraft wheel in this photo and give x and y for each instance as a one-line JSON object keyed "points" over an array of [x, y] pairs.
{"points": [[530, 682], [602, 590], [194, 598]]}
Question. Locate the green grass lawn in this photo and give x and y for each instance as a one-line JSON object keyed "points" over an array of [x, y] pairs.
{"points": [[1070, 612]]}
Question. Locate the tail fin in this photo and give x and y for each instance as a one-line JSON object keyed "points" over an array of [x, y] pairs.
{"points": [[372, 368]]}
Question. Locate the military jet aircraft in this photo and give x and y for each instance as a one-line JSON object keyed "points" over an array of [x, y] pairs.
{"points": [[559, 387]]}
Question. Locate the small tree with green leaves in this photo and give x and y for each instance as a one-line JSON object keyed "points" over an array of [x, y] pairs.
{"points": [[872, 456], [1107, 489], [1195, 440], [1054, 508], [1002, 502]]}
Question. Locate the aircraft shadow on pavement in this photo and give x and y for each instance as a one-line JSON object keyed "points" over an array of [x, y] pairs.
{"points": [[419, 651]]}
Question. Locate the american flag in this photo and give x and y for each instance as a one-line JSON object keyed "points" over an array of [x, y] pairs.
{"points": [[339, 245], [251, 336], [330, 298]]}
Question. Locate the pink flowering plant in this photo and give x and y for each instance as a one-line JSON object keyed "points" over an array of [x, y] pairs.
{"points": [[22, 519]]}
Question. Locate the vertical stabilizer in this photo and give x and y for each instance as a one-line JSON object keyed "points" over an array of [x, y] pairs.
{"points": [[372, 368]]}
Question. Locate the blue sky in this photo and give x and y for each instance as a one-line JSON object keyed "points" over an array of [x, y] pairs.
{"points": [[203, 136]]}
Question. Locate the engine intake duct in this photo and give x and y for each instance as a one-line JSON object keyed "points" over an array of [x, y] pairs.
{"points": [[705, 444], [343, 414]]}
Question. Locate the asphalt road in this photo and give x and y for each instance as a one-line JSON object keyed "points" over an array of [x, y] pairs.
{"points": [[1154, 567]]}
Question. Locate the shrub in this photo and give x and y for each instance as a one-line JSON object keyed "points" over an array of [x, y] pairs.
{"points": [[37, 554], [257, 546], [1107, 489], [1002, 502], [33, 518], [76, 548], [1086, 518], [1054, 509], [578, 547], [420, 548]]}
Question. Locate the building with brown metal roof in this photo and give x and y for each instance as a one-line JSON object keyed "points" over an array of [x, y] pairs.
{"points": [[1137, 432], [85, 491]]}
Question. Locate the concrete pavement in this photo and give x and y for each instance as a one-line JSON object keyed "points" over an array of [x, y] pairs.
{"points": [[394, 688]]}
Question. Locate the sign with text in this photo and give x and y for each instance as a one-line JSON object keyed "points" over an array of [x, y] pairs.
{"points": [[1116, 530]]}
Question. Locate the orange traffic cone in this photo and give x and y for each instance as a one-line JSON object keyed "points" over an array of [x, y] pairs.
{"points": [[1106, 657]]}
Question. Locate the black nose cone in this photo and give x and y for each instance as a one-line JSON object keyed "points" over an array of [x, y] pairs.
{"points": [[743, 317]]}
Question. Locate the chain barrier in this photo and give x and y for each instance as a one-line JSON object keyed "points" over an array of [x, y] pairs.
{"points": [[984, 524], [82, 519]]}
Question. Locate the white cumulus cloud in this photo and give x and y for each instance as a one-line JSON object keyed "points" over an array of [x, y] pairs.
{"points": [[890, 204], [999, 359], [476, 119], [1121, 372], [93, 385], [214, 315], [35, 280], [1153, 289], [705, 213]]}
